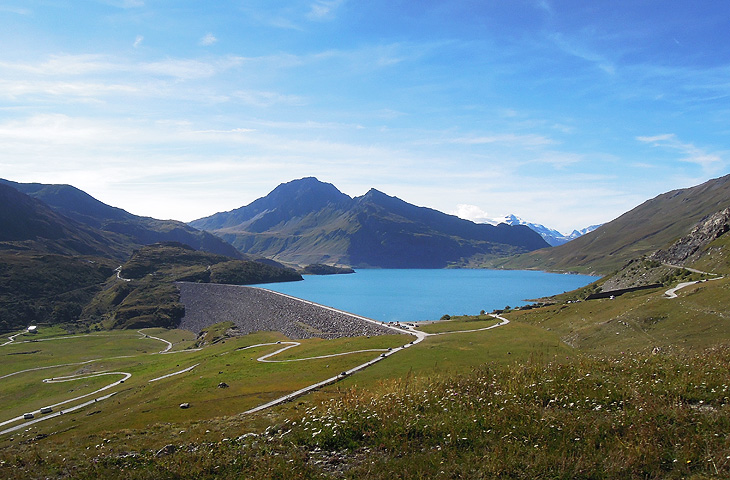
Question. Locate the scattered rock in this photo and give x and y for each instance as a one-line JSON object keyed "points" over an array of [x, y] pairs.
{"points": [[223, 385], [689, 246], [166, 450]]}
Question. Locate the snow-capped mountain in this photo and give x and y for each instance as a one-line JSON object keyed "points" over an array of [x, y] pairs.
{"points": [[551, 236]]}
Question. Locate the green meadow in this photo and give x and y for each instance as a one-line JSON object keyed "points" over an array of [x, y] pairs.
{"points": [[633, 387]]}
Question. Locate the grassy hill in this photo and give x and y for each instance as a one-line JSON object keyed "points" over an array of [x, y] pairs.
{"points": [[648, 227], [46, 288], [56, 261], [631, 387], [514, 402], [143, 294], [50, 265]]}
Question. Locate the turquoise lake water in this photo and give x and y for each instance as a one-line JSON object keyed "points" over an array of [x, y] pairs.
{"points": [[413, 295]]}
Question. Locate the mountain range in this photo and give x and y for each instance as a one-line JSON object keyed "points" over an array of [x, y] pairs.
{"points": [[550, 235], [306, 221], [59, 247]]}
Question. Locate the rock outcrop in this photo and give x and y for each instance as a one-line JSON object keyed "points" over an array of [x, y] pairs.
{"points": [[691, 245]]}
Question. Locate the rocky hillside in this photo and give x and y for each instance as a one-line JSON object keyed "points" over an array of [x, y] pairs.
{"points": [[704, 248], [692, 246]]}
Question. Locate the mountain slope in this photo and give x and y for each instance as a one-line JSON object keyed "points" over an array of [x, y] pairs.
{"points": [[646, 228], [50, 266], [297, 199], [27, 224], [132, 229], [307, 221]]}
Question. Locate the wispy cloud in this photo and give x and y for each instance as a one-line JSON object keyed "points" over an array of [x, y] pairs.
{"points": [[125, 3], [267, 99], [528, 140], [138, 41], [545, 6], [709, 161], [584, 53], [16, 10], [323, 9], [208, 40], [90, 64], [67, 92]]}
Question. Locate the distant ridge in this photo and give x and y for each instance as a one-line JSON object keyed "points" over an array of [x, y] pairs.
{"points": [[29, 225], [650, 226], [306, 221]]}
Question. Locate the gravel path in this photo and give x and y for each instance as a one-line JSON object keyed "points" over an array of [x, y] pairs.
{"points": [[253, 309]]}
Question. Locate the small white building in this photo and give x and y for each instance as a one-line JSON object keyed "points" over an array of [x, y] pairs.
{"points": [[33, 329]]}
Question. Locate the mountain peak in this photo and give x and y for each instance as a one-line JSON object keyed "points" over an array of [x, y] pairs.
{"points": [[293, 199], [307, 186], [374, 194]]}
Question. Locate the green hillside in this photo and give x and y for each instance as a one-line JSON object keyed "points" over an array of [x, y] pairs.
{"points": [[143, 293], [648, 227], [47, 288], [632, 386]]}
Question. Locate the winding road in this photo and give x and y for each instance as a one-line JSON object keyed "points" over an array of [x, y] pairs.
{"points": [[268, 357], [672, 292], [420, 336], [68, 378]]}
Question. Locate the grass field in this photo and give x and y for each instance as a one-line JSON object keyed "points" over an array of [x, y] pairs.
{"points": [[145, 397], [640, 321], [562, 391]]}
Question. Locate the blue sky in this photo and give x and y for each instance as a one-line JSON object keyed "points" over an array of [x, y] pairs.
{"points": [[566, 113]]}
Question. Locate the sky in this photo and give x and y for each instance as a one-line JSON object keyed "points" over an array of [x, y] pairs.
{"points": [[565, 113]]}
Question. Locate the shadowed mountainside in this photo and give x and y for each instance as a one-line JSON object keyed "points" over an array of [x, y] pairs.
{"points": [[53, 268], [307, 221], [128, 228]]}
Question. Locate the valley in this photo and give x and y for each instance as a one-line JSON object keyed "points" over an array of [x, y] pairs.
{"points": [[276, 387]]}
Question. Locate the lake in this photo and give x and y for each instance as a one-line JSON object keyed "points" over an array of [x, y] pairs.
{"points": [[413, 295]]}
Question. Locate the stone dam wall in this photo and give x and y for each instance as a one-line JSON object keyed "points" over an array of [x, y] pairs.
{"points": [[253, 309]]}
